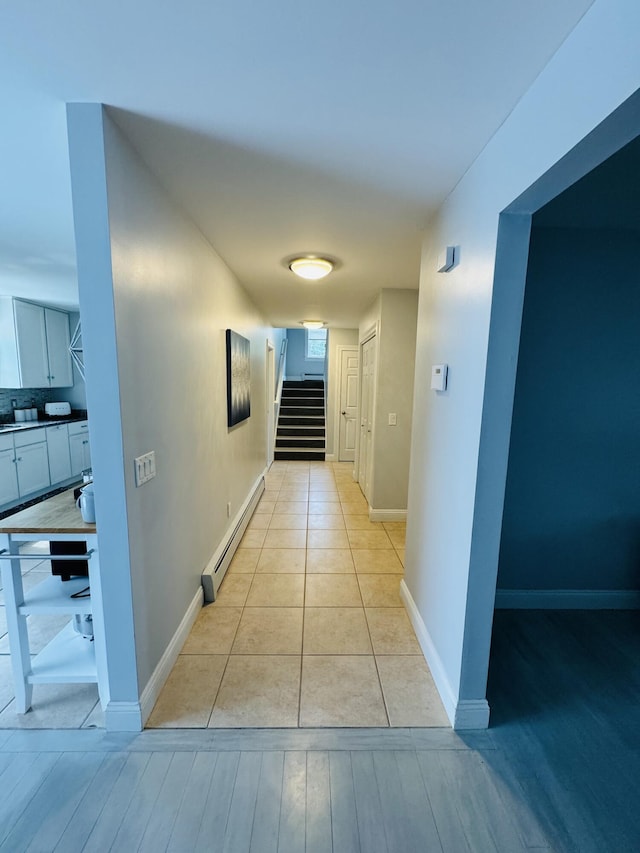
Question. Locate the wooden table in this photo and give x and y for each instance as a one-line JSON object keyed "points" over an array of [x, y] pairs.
{"points": [[69, 657]]}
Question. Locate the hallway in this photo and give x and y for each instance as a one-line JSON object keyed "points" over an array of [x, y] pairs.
{"points": [[308, 628]]}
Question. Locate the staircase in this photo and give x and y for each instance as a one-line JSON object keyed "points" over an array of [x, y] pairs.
{"points": [[300, 433]]}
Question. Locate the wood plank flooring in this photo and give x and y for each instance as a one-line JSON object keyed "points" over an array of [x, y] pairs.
{"points": [[557, 771], [564, 691]]}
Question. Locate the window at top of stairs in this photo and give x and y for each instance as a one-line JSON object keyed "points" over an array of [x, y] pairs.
{"points": [[316, 343]]}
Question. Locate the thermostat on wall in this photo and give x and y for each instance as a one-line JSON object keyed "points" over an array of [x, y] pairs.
{"points": [[439, 377], [447, 259]]}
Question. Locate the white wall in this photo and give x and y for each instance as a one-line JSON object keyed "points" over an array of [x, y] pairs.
{"points": [[335, 338], [394, 314], [172, 299], [595, 70], [394, 394]]}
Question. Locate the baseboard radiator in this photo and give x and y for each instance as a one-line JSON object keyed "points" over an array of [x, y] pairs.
{"points": [[213, 574]]}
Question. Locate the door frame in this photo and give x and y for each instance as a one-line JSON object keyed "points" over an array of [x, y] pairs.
{"points": [[371, 332], [511, 264]]}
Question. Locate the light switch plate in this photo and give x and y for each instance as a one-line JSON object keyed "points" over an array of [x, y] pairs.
{"points": [[145, 467]]}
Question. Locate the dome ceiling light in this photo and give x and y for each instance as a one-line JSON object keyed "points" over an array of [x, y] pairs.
{"points": [[311, 268], [313, 324]]}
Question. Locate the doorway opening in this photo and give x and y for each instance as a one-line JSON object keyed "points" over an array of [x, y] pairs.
{"points": [[560, 234]]}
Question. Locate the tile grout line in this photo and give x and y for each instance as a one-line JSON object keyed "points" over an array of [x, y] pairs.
{"points": [[235, 634]]}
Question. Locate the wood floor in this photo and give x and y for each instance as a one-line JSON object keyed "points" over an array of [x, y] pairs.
{"points": [[557, 771], [564, 689]]}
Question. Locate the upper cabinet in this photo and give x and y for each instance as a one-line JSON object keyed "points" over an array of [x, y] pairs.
{"points": [[34, 346], [57, 328]]}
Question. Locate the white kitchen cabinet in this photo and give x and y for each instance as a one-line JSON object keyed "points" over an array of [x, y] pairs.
{"points": [[58, 340], [32, 461], [59, 455], [34, 346], [8, 475], [79, 447]]}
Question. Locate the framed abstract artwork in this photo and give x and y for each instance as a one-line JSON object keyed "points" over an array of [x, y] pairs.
{"points": [[238, 379]]}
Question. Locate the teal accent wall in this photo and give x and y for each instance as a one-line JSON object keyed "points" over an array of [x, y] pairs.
{"points": [[297, 364], [572, 503]]}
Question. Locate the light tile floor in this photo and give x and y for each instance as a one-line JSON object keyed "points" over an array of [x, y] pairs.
{"points": [[308, 628]]}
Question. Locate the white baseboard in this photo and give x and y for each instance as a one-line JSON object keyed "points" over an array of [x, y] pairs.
{"points": [[330, 457], [161, 672], [567, 599], [429, 651], [471, 714], [123, 717], [462, 713], [387, 514]]}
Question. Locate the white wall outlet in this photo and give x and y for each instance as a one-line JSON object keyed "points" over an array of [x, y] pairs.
{"points": [[145, 467], [439, 373], [393, 419]]}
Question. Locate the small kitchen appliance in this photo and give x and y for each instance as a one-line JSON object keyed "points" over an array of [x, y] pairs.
{"points": [[57, 410]]}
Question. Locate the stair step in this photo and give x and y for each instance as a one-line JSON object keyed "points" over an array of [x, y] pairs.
{"points": [[303, 383], [299, 454], [298, 395], [302, 411], [290, 443], [301, 421], [298, 431]]}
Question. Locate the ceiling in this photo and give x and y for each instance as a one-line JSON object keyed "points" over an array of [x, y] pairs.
{"points": [[283, 127]]}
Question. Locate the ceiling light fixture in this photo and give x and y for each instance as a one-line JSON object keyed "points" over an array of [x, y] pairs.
{"points": [[311, 268], [313, 324]]}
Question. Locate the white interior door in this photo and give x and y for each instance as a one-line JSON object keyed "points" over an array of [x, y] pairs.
{"points": [[270, 394], [348, 405], [366, 416]]}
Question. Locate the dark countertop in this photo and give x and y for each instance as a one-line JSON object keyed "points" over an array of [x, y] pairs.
{"points": [[22, 425]]}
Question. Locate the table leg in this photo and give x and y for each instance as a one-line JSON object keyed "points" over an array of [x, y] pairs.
{"points": [[98, 622], [16, 624]]}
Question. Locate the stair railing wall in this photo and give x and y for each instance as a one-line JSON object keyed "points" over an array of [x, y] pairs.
{"points": [[280, 379]]}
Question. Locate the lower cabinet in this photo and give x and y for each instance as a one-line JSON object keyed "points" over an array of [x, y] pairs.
{"points": [[79, 450], [8, 476], [59, 455], [32, 462]]}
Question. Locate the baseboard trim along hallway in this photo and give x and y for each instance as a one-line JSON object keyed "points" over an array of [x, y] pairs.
{"points": [[167, 661], [567, 599], [464, 714]]}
